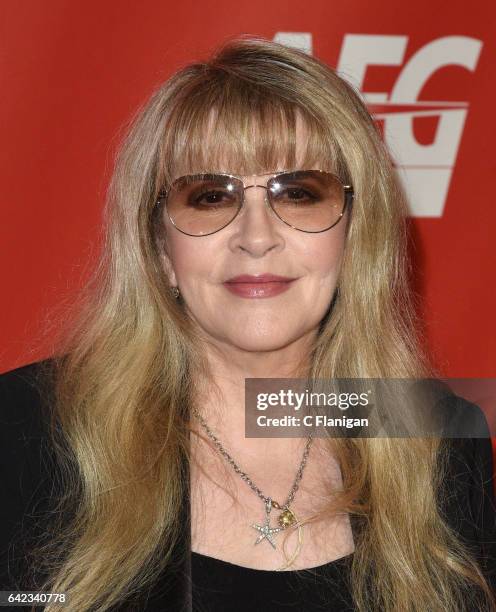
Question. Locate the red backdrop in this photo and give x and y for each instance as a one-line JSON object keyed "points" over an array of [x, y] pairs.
{"points": [[73, 73]]}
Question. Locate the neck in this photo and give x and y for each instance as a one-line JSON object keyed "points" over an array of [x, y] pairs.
{"points": [[221, 401]]}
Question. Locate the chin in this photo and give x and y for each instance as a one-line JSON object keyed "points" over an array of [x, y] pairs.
{"points": [[261, 342]]}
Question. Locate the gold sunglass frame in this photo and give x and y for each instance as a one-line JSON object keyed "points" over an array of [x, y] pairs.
{"points": [[347, 190]]}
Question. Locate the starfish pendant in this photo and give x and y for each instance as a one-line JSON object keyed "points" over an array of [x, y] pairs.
{"points": [[266, 531]]}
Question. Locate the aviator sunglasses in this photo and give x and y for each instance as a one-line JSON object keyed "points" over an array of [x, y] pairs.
{"points": [[306, 200]]}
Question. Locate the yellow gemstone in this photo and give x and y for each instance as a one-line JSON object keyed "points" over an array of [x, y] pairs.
{"points": [[286, 518]]}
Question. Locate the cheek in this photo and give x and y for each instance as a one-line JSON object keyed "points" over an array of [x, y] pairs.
{"points": [[324, 254], [192, 258]]}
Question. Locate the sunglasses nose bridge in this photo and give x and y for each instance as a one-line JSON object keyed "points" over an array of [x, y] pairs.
{"points": [[266, 196]]}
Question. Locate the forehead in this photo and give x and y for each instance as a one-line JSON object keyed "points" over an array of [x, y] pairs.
{"points": [[262, 147]]}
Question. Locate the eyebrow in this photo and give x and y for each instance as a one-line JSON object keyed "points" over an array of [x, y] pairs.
{"points": [[243, 176]]}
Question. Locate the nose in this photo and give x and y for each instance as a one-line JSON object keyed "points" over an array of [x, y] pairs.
{"points": [[256, 228]]}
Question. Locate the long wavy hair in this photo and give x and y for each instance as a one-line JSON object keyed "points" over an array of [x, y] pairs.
{"points": [[127, 356]]}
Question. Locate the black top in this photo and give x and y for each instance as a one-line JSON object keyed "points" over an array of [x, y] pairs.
{"points": [[28, 476], [219, 585]]}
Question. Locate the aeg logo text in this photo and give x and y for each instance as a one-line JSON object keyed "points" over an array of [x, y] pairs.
{"points": [[424, 169]]}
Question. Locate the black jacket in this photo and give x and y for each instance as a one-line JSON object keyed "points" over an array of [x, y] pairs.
{"points": [[28, 473]]}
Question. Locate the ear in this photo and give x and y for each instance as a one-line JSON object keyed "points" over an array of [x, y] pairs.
{"points": [[168, 268]]}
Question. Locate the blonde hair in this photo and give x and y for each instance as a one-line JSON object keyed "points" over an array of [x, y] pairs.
{"points": [[127, 355]]}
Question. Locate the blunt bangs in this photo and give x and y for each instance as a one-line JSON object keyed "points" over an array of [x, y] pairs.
{"points": [[224, 123]]}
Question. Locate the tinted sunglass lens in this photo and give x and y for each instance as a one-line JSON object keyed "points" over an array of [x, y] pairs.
{"points": [[204, 203], [307, 200]]}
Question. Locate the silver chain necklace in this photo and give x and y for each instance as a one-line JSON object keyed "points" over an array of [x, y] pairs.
{"points": [[287, 516]]}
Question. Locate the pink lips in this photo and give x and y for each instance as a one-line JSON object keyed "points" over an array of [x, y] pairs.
{"points": [[258, 286]]}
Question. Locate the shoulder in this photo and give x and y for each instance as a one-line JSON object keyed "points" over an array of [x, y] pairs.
{"points": [[22, 390], [467, 442], [27, 466], [24, 417], [467, 488]]}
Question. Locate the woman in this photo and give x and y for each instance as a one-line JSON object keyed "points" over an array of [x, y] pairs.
{"points": [[254, 230]]}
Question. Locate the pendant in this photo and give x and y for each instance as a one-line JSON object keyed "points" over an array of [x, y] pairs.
{"points": [[266, 531], [286, 518]]}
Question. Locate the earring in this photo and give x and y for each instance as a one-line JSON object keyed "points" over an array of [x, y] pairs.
{"points": [[175, 292]]}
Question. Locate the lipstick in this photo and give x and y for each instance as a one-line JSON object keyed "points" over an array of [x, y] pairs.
{"points": [[259, 285]]}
